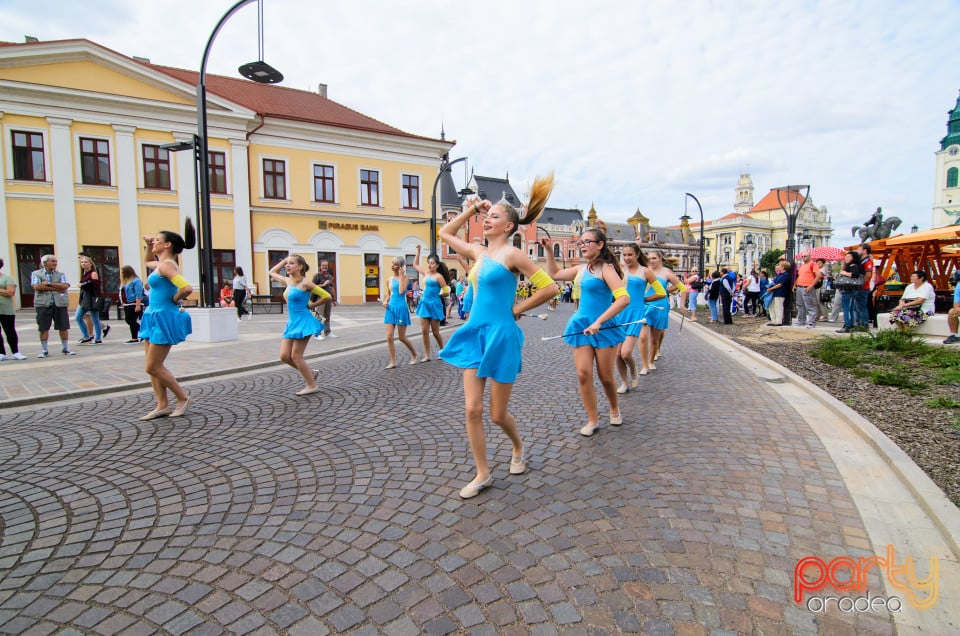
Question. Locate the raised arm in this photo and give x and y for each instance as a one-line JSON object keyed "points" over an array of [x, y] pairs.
{"points": [[416, 264], [555, 272], [276, 275], [450, 229]]}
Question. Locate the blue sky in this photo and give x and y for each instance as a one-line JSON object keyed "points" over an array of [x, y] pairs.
{"points": [[631, 103]]}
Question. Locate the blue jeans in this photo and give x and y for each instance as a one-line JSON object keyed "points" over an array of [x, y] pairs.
{"points": [[95, 317], [860, 308], [850, 312], [714, 315]]}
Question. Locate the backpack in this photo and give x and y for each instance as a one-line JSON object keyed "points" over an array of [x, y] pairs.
{"points": [[714, 292]]}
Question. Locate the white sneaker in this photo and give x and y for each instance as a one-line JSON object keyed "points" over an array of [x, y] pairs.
{"points": [[18, 356], [332, 335], [2, 357], [622, 388], [321, 337]]}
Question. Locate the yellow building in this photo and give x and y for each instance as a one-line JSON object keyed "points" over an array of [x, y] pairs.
{"points": [[290, 171]]}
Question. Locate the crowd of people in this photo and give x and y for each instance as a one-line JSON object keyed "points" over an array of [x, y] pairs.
{"points": [[617, 328]]}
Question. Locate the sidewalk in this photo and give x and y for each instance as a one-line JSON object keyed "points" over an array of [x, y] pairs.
{"points": [[113, 365]]}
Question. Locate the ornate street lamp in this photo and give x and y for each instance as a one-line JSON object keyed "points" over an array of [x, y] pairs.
{"points": [[445, 166], [258, 71], [685, 216], [791, 244]]}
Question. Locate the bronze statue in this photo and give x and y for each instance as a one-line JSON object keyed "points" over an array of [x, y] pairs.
{"points": [[876, 227]]}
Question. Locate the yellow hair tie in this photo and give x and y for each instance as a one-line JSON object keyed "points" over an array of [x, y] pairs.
{"points": [[620, 292], [321, 292], [541, 279], [179, 281]]}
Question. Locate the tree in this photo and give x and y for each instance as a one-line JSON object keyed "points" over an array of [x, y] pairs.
{"points": [[769, 260]]}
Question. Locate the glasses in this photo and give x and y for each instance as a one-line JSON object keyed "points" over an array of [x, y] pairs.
{"points": [[583, 242]]}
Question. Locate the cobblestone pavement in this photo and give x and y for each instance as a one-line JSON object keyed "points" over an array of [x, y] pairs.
{"points": [[262, 512]]}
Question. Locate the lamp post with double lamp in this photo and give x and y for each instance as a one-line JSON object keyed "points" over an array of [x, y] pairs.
{"points": [[445, 166], [791, 245], [259, 72], [687, 218]]}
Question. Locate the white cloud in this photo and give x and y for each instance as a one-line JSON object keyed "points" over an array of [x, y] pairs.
{"points": [[631, 103]]}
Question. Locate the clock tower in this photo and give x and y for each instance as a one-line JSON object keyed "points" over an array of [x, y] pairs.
{"points": [[946, 194]]}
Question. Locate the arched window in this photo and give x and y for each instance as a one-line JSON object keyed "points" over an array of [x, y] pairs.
{"points": [[539, 251], [517, 242], [556, 250], [952, 174]]}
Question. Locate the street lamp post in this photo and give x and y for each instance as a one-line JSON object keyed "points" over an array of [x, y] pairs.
{"points": [[699, 207], [791, 243], [445, 166], [258, 71]]}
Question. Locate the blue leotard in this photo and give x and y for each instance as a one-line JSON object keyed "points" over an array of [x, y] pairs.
{"points": [[595, 298], [637, 288], [431, 305], [490, 341], [301, 322], [657, 314], [397, 311], [163, 323]]}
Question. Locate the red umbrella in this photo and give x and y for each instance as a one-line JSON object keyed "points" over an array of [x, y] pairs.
{"points": [[826, 252]]}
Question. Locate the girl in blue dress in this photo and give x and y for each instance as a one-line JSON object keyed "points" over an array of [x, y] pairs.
{"points": [[397, 314], [436, 278], [643, 288], [602, 296], [488, 345], [301, 323], [164, 324], [657, 316]]}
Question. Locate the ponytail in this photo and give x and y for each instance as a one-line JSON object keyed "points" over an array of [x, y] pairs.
{"points": [[539, 193], [179, 243]]}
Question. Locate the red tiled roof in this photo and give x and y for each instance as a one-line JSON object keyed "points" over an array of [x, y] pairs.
{"points": [[284, 103], [770, 202], [267, 100]]}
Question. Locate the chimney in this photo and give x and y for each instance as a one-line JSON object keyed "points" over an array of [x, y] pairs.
{"points": [[322, 90], [145, 60], [28, 39]]}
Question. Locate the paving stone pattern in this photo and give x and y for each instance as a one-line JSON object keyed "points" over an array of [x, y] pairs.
{"points": [[265, 513]]}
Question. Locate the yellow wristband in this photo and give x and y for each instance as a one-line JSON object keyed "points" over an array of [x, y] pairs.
{"points": [[620, 292], [681, 287], [541, 279], [445, 290], [179, 281], [321, 292], [658, 288]]}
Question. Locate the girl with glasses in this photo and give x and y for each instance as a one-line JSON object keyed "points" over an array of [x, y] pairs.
{"points": [[591, 331]]}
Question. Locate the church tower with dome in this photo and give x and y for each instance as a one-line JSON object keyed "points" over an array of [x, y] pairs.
{"points": [[743, 194], [946, 194]]}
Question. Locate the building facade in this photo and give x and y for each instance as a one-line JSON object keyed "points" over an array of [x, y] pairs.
{"points": [[85, 169], [946, 191]]}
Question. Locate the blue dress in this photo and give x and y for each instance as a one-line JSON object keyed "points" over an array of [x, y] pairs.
{"points": [[397, 311], [637, 288], [595, 298], [657, 315], [431, 305], [490, 341], [468, 297], [301, 323], [163, 323]]}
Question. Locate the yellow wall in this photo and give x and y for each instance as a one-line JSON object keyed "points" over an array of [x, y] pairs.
{"points": [[97, 224], [87, 76]]}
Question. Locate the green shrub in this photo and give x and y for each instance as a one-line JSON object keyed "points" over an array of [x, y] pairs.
{"points": [[943, 402], [895, 377]]}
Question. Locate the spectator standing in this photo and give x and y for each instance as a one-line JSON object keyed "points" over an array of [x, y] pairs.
{"points": [[764, 285], [713, 296], [805, 288], [695, 285], [752, 304], [324, 280], [728, 283], [8, 317], [821, 309], [50, 301], [133, 300], [851, 267], [867, 314], [779, 287], [240, 285], [89, 302]]}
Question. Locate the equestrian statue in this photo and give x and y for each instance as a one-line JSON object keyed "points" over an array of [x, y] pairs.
{"points": [[876, 227]]}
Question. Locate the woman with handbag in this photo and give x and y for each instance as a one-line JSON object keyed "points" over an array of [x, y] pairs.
{"points": [[917, 302], [90, 303], [849, 280]]}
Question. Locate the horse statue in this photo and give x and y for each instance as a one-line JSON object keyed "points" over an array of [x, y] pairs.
{"points": [[877, 230]]}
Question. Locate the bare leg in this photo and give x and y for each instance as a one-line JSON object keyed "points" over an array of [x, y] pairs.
{"points": [[656, 340], [390, 346], [435, 325], [644, 344], [605, 358], [583, 360], [161, 378], [473, 406], [402, 337], [625, 359], [425, 333], [291, 353]]}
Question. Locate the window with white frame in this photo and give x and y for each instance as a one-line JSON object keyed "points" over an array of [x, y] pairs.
{"points": [[324, 183], [274, 179], [370, 187]]}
